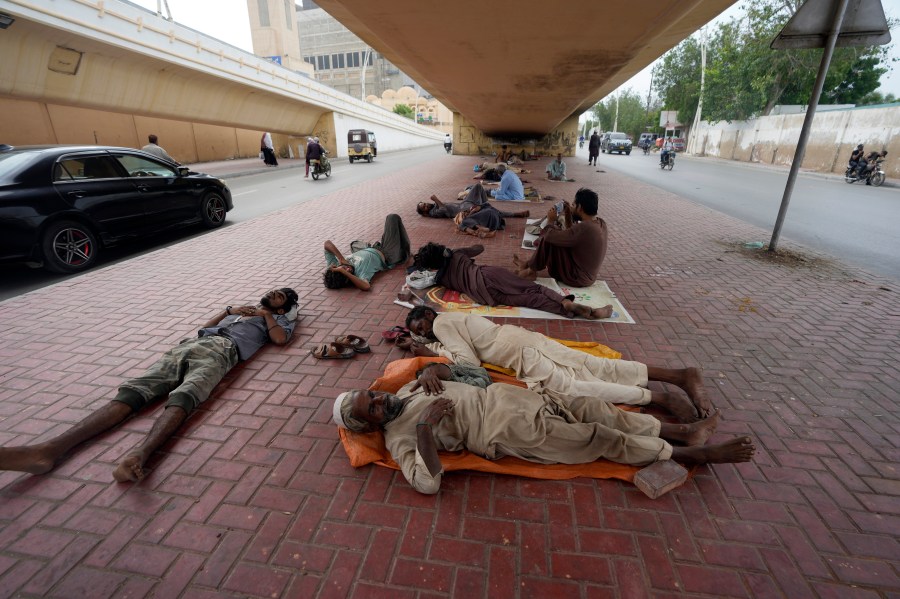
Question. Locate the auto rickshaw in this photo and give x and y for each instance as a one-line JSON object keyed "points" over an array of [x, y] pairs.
{"points": [[361, 145]]}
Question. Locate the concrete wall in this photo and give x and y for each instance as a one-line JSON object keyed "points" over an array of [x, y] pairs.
{"points": [[834, 135], [468, 140]]}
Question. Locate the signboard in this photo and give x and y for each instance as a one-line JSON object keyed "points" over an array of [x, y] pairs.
{"points": [[669, 119], [275, 59]]}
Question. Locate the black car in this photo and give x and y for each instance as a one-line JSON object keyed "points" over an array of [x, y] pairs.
{"points": [[60, 205]]}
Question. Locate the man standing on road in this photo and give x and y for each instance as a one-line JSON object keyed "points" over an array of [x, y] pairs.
{"points": [[187, 373], [593, 149]]}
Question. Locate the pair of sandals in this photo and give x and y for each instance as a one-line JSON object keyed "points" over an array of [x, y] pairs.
{"points": [[342, 348]]}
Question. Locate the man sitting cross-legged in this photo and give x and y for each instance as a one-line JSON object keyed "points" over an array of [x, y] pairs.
{"points": [[573, 255], [187, 373], [547, 366], [367, 259], [504, 420]]}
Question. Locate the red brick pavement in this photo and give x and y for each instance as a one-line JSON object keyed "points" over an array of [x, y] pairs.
{"points": [[255, 497]]}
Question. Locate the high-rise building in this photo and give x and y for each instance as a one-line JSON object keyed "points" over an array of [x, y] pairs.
{"points": [[273, 29], [342, 60]]}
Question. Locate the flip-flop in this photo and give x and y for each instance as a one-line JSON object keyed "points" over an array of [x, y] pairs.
{"points": [[332, 351], [395, 333], [358, 344]]}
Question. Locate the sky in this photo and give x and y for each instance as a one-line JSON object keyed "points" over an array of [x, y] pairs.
{"points": [[227, 20]]}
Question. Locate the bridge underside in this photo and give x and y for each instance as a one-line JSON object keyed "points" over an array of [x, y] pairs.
{"points": [[519, 68]]}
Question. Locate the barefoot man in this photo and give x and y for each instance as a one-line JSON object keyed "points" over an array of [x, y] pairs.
{"points": [[551, 368], [504, 420], [187, 373]]}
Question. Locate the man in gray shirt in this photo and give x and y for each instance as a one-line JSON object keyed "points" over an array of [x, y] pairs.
{"points": [[154, 148], [187, 373]]}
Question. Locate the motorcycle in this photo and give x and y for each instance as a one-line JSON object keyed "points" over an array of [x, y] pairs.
{"points": [[646, 147], [669, 162], [448, 146], [875, 176], [321, 166], [580, 143]]}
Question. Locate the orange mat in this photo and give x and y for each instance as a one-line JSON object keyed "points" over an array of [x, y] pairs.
{"points": [[369, 448]]}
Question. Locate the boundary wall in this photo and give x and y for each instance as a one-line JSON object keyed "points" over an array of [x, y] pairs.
{"points": [[835, 134]]}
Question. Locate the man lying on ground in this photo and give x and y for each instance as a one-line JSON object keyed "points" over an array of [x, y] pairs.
{"points": [[548, 366], [476, 197], [496, 286], [187, 373], [367, 259], [504, 420]]}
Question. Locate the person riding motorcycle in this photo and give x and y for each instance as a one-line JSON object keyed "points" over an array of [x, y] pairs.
{"points": [[667, 148], [313, 152], [448, 142], [868, 165], [581, 141], [855, 157]]}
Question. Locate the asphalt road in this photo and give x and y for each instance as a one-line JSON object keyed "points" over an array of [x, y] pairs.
{"points": [[253, 195], [856, 223]]}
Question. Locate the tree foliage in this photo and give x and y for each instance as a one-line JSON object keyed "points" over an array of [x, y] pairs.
{"points": [[633, 116], [404, 110], [746, 78]]}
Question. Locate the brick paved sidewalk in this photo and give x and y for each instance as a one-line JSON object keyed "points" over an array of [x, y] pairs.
{"points": [[255, 497]]}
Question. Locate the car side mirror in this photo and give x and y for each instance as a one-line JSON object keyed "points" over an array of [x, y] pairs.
{"points": [[183, 171]]}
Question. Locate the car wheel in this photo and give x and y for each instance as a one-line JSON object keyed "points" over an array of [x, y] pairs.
{"points": [[212, 210], [369, 159], [69, 247], [328, 171], [351, 160], [877, 179], [628, 153]]}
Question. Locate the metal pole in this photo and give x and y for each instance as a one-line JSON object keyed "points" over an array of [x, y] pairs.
{"points": [[362, 77], [616, 123], [807, 121]]}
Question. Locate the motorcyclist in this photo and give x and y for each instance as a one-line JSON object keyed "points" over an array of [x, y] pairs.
{"points": [[448, 142], [581, 141], [867, 166], [855, 157], [314, 153], [667, 148]]}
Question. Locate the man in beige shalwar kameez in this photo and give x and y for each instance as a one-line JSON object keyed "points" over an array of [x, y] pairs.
{"points": [[549, 367], [504, 420]]}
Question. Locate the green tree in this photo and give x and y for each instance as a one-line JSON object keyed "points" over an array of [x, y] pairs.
{"points": [[745, 77], [633, 117], [403, 110]]}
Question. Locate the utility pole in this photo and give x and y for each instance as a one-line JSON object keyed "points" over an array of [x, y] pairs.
{"points": [[694, 127], [362, 76], [616, 123]]}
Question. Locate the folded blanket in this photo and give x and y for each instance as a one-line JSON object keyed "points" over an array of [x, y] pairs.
{"points": [[369, 448]]}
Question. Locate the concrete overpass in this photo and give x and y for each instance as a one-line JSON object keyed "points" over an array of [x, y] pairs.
{"points": [[109, 72]]}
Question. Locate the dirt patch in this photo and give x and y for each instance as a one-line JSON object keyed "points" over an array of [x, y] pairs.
{"points": [[782, 257]]}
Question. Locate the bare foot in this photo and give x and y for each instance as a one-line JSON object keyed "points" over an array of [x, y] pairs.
{"points": [[693, 386], [679, 405], [739, 449], [604, 312], [519, 263], [130, 468], [527, 274], [33, 460], [693, 434], [486, 234]]}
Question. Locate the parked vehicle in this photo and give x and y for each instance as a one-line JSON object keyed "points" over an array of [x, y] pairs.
{"points": [[60, 206], [320, 166], [614, 141], [361, 145], [875, 177], [669, 162]]}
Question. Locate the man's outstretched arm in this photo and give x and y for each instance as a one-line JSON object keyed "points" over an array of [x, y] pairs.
{"points": [[330, 247]]}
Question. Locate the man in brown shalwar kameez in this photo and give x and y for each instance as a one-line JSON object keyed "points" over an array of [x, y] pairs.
{"points": [[572, 255]]}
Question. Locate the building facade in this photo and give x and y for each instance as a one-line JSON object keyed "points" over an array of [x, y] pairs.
{"points": [[273, 29]]}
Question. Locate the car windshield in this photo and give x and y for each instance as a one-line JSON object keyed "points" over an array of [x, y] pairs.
{"points": [[618, 136], [14, 162]]}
